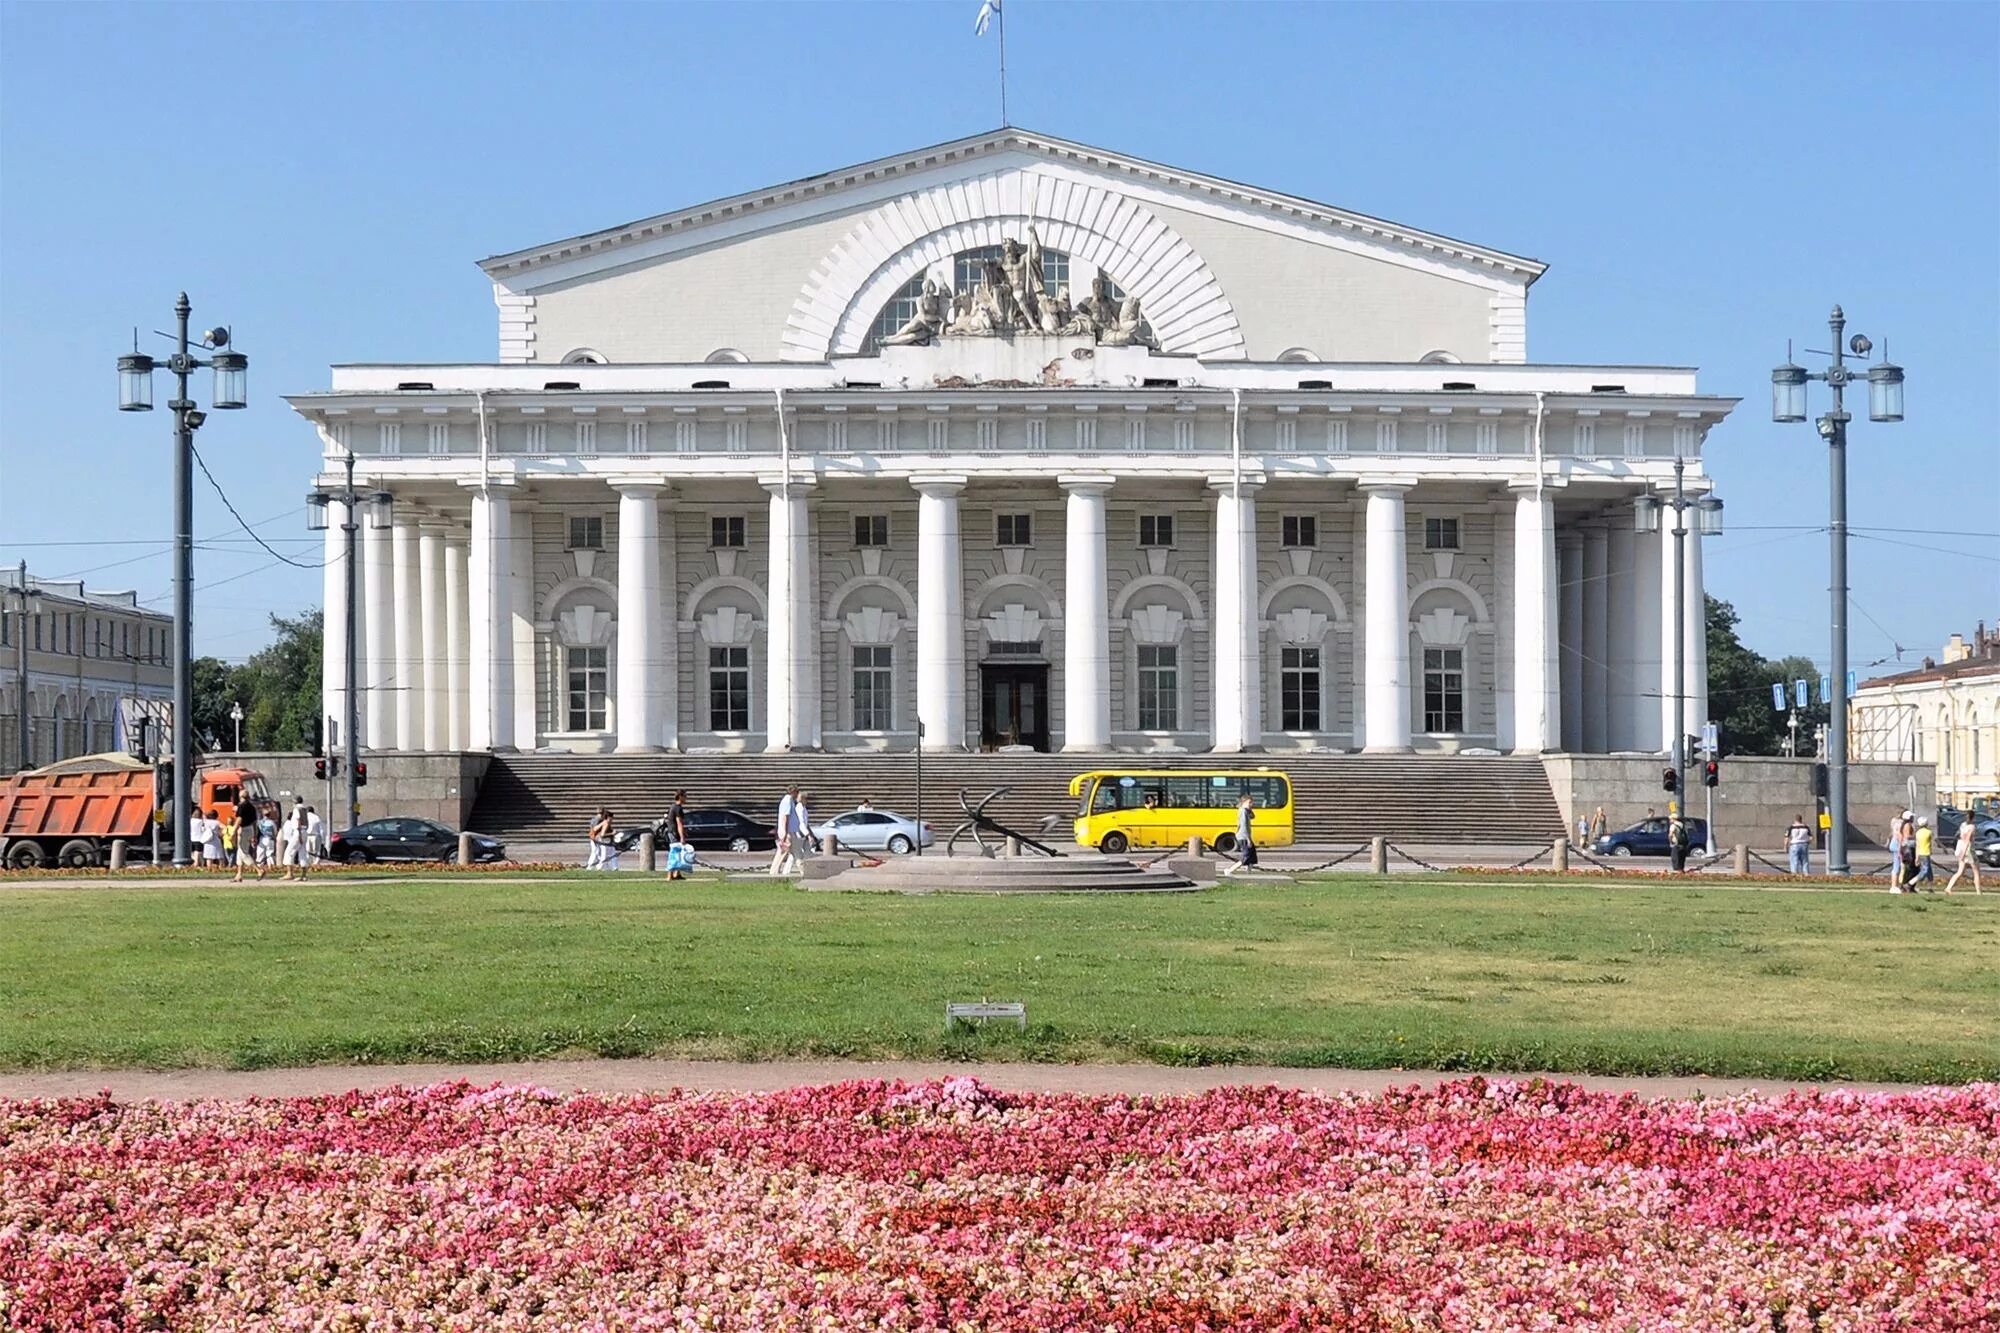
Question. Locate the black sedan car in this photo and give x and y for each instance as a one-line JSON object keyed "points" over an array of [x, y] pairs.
{"points": [[1648, 837], [726, 831], [408, 840]]}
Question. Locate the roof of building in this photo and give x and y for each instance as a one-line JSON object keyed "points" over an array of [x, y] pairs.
{"points": [[1982, 659], [74, 592], [996, 141]]}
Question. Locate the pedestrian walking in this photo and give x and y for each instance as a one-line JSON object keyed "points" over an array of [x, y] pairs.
{"points": [[782, 850], [1582, 830], [315, 840], [1677, 842], [1925, 874], [1798, 845], [292, 842], [266, 846], [1896, 853], [238, 842], [677, 836], [600, 840], [1598, 826], [1246, 846], [802, 830], [211, 842], [1908, 837], [1961, 850]]}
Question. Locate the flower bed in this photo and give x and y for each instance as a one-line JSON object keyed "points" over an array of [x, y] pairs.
{"points": [[1480, 1205]]}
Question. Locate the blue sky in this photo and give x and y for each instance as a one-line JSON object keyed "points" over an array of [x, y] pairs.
{"points": [[1705, 181]]}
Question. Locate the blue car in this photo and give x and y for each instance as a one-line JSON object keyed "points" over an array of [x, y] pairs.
{"points": [[1648, 837]]}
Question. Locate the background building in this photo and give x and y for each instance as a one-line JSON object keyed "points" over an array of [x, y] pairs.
{"points": [[95, 662], [1946, 712], [1034, 444]]}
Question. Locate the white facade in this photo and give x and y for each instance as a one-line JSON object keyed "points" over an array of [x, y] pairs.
{"points": [[1294, 486], [1947, 712]]}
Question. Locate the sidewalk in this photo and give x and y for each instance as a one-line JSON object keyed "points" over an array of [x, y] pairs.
{"points": [[619, 1076]]}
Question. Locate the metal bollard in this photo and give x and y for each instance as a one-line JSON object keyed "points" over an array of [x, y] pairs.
{"points": [[1559, 856], [1378, 855], [646, 851], [117, 855], [465, 849], [1012, 847], [1195, 847], [1741, 856]]}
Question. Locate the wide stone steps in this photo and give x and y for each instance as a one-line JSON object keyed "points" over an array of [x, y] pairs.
{"points": [[1337, 798]]}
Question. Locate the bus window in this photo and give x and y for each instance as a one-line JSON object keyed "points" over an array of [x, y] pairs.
{"points": [[1267, 793], [1186, 793]]}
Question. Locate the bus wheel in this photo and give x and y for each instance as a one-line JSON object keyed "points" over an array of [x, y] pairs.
{"points": [[1225, 844], [1114, 844]]}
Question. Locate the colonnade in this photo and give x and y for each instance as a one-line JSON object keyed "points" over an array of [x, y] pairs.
{"points": [[1592, 625]]}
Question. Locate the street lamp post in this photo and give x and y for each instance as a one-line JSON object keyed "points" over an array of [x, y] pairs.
{"points": [[135, 394], [379, 515], [1788, 404], [236, 716], [1708, 523], [30, 601]]}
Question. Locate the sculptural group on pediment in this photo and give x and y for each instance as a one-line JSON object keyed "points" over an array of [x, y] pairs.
{"points": [[1011, 296]]}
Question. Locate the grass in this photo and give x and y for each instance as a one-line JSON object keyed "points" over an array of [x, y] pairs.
{"points": [[1357, 971]]}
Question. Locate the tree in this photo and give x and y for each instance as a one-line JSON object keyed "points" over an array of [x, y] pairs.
{"points": [[279, 688], [1739, 689]]}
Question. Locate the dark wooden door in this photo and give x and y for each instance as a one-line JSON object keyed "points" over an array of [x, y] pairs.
{"points": [[1013, 706]]}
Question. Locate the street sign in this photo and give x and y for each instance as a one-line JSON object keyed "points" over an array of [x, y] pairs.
{"points": [[1850, 684], [1826, 689], [1799, 697], [1778, 695], [1711, 739]]}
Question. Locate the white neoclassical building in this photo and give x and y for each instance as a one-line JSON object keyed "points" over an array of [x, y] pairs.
{"points": [[1025, 443]]}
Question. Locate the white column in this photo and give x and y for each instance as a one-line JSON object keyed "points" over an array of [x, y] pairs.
{"points": [[940, 613], [1648, 596], [1569, 635], [790, 708], [1086, 615], [1537, 712], [1385, 687], [640, 663], [1696, 642], [456, 628], [1669, 709], [434, 668], [333, 629], [668, 680], [1622, 621], [378, 662], [1596, 638], [490, 640], [1238, 676], [408, 621]]}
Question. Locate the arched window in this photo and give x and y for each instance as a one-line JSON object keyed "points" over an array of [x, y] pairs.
{"points": [[901, 309], [584, 356], [1440, 357], [1298, 354], [968, 269], [726, 356]]}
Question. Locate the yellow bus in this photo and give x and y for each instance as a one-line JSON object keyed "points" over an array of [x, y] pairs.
{"points": [[1135, 807]]}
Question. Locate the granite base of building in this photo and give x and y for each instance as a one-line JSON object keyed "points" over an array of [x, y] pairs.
{"points": [[425, 786]]}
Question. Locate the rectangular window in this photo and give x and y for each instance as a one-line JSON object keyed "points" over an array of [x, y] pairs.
{"points": [[38, 633], [729, 688], [1298, 690], [871, 529], [589, 678], [1444, 690], [586, 532], [1440, 534], [1299, 530], [1014, 530], [6, 628], [1156, 529], [1159, 688], [873, 682], [729, 533]]}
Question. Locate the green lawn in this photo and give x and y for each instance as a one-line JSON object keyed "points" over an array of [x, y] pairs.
{"points": [[1440, 973]]}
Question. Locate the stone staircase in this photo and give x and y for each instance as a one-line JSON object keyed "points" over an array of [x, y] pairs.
{"points": [[1337, 798]]}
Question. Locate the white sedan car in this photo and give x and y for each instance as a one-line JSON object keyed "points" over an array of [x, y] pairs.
{"points": [[875, 831]]}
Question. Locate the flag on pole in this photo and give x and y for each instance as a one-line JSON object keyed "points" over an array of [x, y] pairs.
{"points": [[986, 12], [1778, 695]]}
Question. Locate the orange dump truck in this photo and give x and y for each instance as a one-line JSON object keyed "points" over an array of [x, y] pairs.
{"points": [[69, 814]]}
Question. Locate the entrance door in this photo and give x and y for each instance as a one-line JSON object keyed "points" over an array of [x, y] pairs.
{"points": [[1013, 706]]}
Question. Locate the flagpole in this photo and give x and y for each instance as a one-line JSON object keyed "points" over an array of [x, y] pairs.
{"points": [[1000, 12]]}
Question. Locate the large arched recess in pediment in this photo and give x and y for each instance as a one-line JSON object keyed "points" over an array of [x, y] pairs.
{"points": [[898, 240]]}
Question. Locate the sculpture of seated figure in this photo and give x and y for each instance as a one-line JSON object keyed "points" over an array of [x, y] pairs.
{"points": [[971, 313], [1056, 311], [926, 324], [1130, 328]]}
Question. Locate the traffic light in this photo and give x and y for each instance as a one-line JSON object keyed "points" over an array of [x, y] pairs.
{"points": [[361, 775], [319, 770], [1711, 773], [1667, 779]]}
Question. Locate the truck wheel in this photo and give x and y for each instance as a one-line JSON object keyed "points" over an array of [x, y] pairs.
{"points": [[77, 854], [24, 855]]}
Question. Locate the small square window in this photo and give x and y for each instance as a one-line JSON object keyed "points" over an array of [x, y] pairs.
{"points": [[1441, 534], [1156, 529], [729, 533], [871, 529], [1300, 530], [586, 532], [1014, 530]]}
